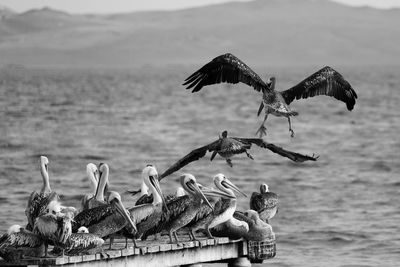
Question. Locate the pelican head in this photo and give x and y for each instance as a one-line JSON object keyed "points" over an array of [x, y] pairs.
{"points": [[224, 134], [150, 178], [83, 230], [188, 182], [14, 229], [263, 188], [271, 82], [223, 184], [115, 199], [44, 162]]}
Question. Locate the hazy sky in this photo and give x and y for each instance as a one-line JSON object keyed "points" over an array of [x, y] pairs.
{"points": [[113, 6]]}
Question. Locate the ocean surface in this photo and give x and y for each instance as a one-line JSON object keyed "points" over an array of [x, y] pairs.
{"points": [[343, 210]]}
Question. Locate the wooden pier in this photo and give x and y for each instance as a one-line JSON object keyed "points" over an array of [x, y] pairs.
{"points": [[153, 253]]}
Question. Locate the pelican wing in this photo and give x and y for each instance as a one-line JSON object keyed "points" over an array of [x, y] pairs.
{"points": [[175, 207], [294, 156], [91, 216], [21, 239], [326, 81], [82, 242], [260, 202], [224, 68], [192, 156]]}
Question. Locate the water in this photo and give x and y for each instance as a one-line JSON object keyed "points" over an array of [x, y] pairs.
{"points": [[342, 210]]}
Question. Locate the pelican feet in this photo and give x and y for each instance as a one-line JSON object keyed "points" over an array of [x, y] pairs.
{"points": [[229, 161], [261, 131]]}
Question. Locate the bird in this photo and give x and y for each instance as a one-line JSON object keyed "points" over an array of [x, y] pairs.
{"points": [[106, 219], [223, 208], [53, 226], [227, 147], [83, 242], [228, 68], [38, 201], [93, 176], [182, 210], [265, 203], [147, 215], [245, 225], [18, 243]]}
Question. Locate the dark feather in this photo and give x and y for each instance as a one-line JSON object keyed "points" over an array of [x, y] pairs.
{"points": [[260, 202], [224, 68], [192, 156], [91, 216], [175, 207], [294, 156], [326, 81]]}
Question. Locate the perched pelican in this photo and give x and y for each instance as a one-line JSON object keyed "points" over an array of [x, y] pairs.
{"points": [[93, 175], [223, 209], [245, 225], [265, 203], [106, 219], [147, 215], [53, 226], [83, 242], [18, 243], [227, 147], [230, 69], [38, 201], [183, 209]]}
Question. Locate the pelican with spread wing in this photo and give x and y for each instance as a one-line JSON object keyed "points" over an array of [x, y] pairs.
{"points": [[228, 68], [227, 147]]}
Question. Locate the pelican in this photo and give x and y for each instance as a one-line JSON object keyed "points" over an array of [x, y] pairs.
{"points": [[18, 243], [83, 242], [223, 209], [183, 209], [265, 203], [53, 226], [93, 176], [245, 225], [107, 219], [228, 68], [146, 216], [227, 147], [38, 201]]}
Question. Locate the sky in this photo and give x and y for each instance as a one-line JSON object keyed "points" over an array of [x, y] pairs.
{"points": [[118, 6]]}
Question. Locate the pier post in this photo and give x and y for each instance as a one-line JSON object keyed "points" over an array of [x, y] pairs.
{"points": [[239, 262]]}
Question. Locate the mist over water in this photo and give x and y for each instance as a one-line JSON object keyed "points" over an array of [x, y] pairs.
{"points": [[342, 210]]}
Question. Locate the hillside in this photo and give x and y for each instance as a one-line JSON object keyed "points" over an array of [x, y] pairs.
{"points": [[288, 32]]}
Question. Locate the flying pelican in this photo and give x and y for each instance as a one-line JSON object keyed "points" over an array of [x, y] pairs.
{"points": [[230, 69], [182, 210], [227, 147], [18, 243], [38, 201], [265, 203], [107, 219], [53, 226], [223, 209], [245, 225], [93, 176]]}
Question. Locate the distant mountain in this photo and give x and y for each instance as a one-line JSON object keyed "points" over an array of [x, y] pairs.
{"points": [[5, 12], [274, 32]]}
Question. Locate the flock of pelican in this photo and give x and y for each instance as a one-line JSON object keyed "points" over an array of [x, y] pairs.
{"points": [[195, 208]]}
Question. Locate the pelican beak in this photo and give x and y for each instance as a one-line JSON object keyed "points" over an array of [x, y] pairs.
{"points": [[230, 185], [121, 209], [154, 181], [195, 187], [215, 193]]}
